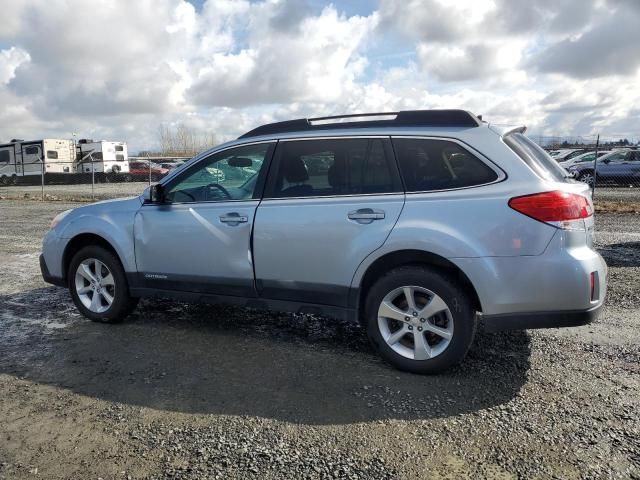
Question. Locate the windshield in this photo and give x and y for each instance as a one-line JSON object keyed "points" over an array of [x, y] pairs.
{"points": [[535, 157]]}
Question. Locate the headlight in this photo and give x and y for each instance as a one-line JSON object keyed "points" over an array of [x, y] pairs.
{"points": [[58, 218]]}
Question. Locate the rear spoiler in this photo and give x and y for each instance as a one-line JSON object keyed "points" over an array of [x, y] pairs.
{"points": [[503, 131]]}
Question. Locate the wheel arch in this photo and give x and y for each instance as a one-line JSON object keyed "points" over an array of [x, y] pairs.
{"points": [[84, 240], [400, 258]]}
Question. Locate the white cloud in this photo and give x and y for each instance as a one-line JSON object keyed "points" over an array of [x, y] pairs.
{"points": [[119, 68], [10, 60], [318, 61]]}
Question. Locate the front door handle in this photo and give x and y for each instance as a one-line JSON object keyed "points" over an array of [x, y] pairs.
{"points": [[366, 215], [234, 218]]}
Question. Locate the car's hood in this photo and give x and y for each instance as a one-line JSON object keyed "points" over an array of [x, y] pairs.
{"points": [[111, 205]]}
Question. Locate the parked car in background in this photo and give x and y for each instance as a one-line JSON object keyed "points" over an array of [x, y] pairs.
{"points": [[565, 155], [621, 167], [420, 226], [583, 158], [141, 171], [172, 165]]}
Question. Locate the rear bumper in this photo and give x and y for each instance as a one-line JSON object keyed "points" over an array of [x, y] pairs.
{"points": [[47, 277], [523, 321]]}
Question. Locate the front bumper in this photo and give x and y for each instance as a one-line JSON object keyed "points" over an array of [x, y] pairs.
{"points": [[58, 281], [531, 320]]}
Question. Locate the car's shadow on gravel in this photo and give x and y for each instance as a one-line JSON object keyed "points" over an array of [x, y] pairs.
{"points": [[625, 254], [224, 360]]}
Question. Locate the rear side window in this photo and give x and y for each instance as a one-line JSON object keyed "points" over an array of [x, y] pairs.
{"points": [[534, 156], [313, 168], [427, 165]]}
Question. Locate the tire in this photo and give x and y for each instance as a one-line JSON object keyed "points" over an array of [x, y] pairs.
{"points": [[14, 179], [430, 288], [586, 177], [4, 180], [115, 286]]}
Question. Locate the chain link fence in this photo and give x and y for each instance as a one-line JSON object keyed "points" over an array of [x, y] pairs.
{"points": [[609, 163], [87, 180]]}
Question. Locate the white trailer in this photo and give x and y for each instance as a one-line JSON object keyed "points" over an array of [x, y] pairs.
{"points": [[22, 161], [102, 157]]}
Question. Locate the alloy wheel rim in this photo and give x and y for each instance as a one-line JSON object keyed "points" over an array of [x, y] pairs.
{"points": [[415, 322], [95, 285], [588, 179]]}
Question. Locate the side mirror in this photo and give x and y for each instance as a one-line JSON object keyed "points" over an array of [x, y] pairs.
{"points": [[606, 161], [154, 194]]}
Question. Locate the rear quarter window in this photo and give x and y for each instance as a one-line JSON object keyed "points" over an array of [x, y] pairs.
{"points": [[429, 164], [536, 158]]}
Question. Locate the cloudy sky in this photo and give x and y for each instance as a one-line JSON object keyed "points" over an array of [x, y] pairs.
{"points": [[116, 69]]}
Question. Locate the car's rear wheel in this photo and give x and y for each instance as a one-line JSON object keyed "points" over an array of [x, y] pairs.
{"points": [[420, 320], [99, 286]]}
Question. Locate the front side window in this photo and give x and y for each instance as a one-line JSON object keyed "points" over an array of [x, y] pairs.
{"points": [[588, 158], [52, 154], [228, 175], [427, 165], [614, 157], [330, 167]]}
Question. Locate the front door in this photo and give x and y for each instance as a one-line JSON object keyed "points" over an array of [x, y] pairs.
{"points": [[328, 204], [199, 239]]}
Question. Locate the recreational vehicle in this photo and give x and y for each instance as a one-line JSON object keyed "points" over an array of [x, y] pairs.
{"points": [[22, 161], [102, 157]]}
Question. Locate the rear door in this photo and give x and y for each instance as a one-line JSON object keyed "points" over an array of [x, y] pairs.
{"points": [[328, 204]]}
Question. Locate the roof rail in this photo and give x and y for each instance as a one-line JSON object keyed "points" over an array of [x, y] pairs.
{"points": [[407, 118]]}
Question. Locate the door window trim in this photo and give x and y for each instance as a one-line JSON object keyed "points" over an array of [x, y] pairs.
{"points": [[501, 174], [260, 183], [389, 156]]}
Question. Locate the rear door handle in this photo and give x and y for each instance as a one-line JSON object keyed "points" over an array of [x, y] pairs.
{"points": [[234, 217], [366, 214]]}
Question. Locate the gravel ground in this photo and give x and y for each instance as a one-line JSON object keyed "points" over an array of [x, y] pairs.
{"points": [[193, 391]]}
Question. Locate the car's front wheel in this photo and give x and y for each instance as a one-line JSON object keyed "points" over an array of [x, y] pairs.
{"points": [[420, 320], [587, 177], [99, 286]]}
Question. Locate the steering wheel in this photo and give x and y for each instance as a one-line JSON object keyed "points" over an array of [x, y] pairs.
{"points": [[221, 188]]}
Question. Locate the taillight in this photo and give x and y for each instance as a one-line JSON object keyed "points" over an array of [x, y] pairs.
{"points": [[560, 209]]}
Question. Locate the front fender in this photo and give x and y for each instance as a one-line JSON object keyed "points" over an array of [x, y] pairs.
{"points": [[116, 228]]}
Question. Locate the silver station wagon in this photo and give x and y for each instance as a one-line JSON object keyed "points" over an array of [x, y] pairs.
{"points": [[418, 224]]}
